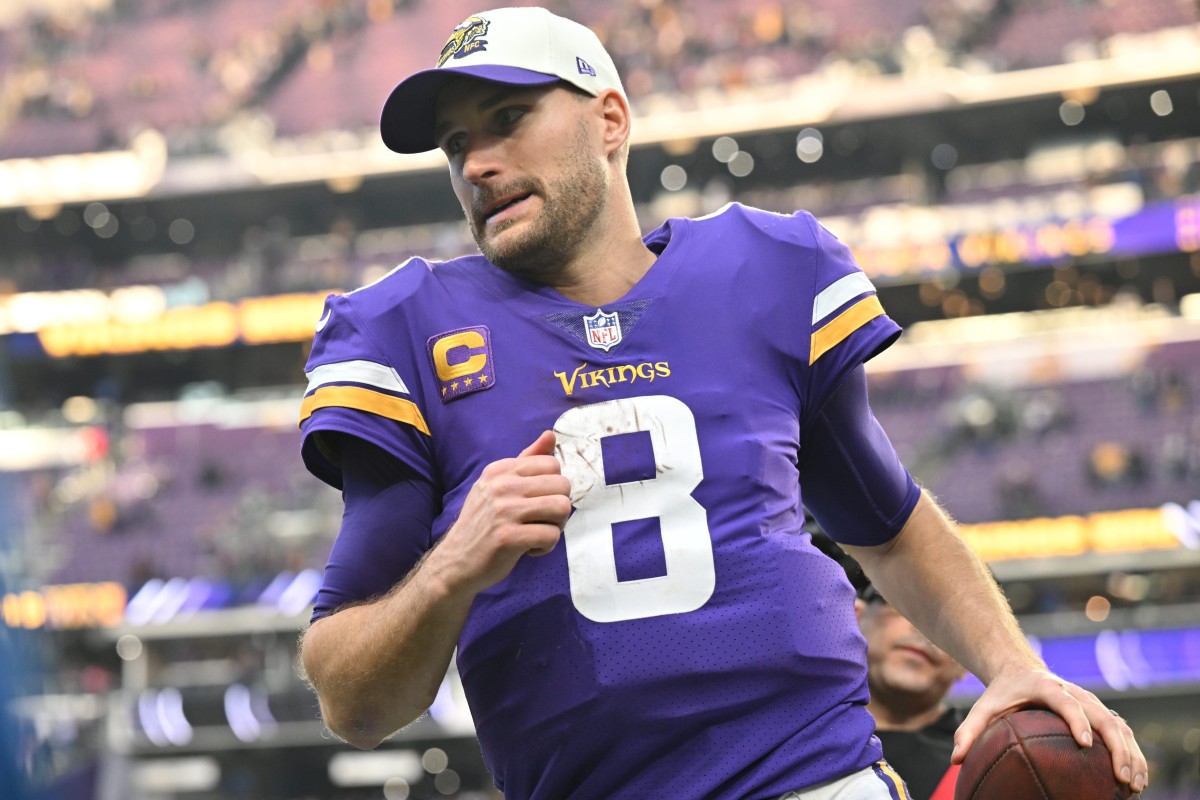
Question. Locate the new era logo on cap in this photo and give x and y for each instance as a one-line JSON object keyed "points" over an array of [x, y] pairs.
{"points": [[584, 67]]}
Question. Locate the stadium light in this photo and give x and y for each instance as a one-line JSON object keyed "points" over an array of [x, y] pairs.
{"points": [[167, 775], [1071, 112], [1160, 103], [375, 769], [810, 145], [673, 177], [741, 165], [724, 149]]}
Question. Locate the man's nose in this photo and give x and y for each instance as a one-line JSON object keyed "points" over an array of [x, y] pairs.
{"points": [[481, 159]]}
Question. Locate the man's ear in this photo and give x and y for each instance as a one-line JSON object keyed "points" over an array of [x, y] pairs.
{"points": [[860, 608], [617, 119]]}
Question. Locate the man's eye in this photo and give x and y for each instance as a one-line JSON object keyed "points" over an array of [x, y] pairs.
{"points": [[507, 116], [453, 144]]}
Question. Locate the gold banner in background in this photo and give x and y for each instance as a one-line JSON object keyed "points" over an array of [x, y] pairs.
{"points": [[72, 605], [1132, 530], [255, 320]]}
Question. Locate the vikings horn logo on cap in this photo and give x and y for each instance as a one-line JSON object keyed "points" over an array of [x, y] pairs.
{"points": [[466, 39]]}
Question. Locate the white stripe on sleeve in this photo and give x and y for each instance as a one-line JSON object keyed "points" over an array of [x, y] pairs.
{"points": [[366, 372], [837, 293]]}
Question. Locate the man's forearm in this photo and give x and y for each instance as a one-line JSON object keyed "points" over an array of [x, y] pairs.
{"points": [[377, 666], [933, 577]]}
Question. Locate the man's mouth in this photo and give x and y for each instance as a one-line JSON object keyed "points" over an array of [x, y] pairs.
{"points": [[919, 652], [497, 208]]}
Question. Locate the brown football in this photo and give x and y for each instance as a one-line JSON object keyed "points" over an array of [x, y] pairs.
{"points": [[1031, 753]]}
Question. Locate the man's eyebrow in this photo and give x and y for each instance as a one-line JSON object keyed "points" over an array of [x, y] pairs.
{"points": [[495, 99], [488, 102]]}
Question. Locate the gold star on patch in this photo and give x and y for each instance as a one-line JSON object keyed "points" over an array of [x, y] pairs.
{"points": [[468, 381], [483, 378], [454, 386], [443, 390]]}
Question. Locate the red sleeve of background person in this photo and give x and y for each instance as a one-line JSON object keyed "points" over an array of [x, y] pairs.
{"points": [[945, 787]]}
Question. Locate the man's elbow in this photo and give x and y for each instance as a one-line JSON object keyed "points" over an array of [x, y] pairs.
{"points": [[368, 724], [354, 732], [363, 713]]}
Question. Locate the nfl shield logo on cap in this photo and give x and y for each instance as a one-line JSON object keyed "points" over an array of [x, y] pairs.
{"points": [[603, 330]]}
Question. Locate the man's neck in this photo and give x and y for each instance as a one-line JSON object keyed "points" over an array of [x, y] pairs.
{"points": [[607, 267], [608, 278]]}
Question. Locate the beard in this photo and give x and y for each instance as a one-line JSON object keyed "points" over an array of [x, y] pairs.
{"points": [[571, 204]]}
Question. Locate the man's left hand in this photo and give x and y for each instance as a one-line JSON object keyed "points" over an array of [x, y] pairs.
{"points": [[1082, 710]]}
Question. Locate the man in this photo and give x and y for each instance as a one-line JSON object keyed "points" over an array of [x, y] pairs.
{"points": [[655, 404], [909, 676]]}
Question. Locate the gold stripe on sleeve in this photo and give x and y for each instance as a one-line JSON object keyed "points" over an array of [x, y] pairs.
{"points": [[384, 405], [844, 324]]}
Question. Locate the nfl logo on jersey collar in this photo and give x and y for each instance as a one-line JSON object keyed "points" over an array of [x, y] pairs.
{"points": [[603, 330]]}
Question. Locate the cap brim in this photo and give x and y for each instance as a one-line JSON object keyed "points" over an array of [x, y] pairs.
{"points": [[406, 123]]}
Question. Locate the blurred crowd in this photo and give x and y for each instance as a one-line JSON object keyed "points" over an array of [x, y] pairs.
{"points": [[173, 501], [102, 72], [995, 452], [80, 77], [268, 256]]}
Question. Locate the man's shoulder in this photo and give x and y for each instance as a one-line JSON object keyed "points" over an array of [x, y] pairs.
{"points": [[797, 228], [413, 281]]}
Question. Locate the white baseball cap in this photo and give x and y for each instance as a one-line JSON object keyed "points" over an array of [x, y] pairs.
{"points": [[516, 46]]}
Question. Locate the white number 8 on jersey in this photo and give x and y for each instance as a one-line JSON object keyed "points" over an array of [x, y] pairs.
{"points": [[687, 546]]}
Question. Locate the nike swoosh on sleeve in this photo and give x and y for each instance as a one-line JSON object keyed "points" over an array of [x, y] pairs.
{"points": [[323, 321]]}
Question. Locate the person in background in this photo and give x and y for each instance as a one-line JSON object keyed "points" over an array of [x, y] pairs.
{"points": [[909, 677]]}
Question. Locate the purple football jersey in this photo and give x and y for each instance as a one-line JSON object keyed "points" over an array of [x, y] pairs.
{"points": [[685, 640]]}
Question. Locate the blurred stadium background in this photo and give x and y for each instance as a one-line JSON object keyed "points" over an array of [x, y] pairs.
{"points": [[183, 181]]}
